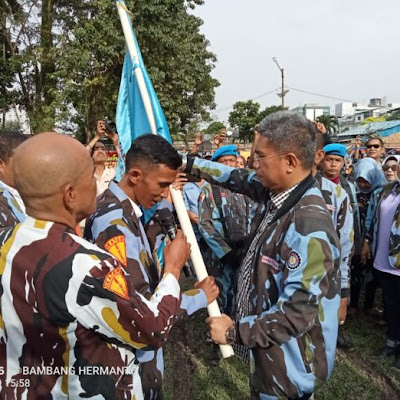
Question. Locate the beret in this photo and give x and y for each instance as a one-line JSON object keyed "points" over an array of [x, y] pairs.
{"points": [[335, 149], [229, 150]]}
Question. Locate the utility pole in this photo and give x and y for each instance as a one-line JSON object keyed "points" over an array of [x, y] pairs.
{"points": [[283, 92]]}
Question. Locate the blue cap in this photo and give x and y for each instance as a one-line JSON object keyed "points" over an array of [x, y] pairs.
{"points": [[229, 150], [335, 149]]}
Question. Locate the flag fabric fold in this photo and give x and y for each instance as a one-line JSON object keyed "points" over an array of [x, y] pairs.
{"points": [[131, 118]]}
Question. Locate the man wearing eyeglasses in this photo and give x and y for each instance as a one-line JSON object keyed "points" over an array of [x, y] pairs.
{"points": [[288, 291], [375, 149]]}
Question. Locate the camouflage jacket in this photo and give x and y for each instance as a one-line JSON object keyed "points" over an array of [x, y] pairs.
{"points": [[372, 223], [338, 203], [235, 210], [70, 317], [10, 212], [295, 291], [116, 228]]}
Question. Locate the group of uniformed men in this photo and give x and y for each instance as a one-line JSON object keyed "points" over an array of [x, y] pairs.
{"points": [[112, 299]]}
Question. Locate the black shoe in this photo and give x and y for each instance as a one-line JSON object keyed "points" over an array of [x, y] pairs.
{"points": [[387, 351], [343, 342]]}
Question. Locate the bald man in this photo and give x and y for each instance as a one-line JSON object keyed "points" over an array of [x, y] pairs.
{"points": [[70, 318]]}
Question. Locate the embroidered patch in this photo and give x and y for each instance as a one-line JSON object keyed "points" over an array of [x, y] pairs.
{"points": [[267, 260], [115, 282], [293, 261], [116, 246]]}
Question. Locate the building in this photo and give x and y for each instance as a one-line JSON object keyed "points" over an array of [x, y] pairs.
{"points": [[378, 107], [313, 111]]}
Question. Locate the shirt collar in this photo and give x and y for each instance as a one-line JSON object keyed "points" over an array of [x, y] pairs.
{"points": [[15, 194], [121, 195], [279, 198]]}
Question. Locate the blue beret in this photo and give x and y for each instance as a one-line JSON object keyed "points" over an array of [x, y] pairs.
{"points": [[335, 149], [229, 150]]}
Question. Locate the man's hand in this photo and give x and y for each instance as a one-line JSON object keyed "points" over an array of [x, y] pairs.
{"points": [[218, 327], [180, 181], [343, 310], [198, 140], [176, 254], [209, 287], [217, 140], [113, 136], [100, 129], [365, 252], [320, 126]]}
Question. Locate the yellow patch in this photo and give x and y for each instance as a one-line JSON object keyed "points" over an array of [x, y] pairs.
{"points": [[64, 382], [192, 292], [39, 224], [112, 321], [115, 282], [116, 246]]}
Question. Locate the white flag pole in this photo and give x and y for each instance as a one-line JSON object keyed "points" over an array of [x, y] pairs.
{"points": [[195, 255]]}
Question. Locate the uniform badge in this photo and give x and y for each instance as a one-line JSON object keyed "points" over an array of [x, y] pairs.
{"points": [[116, 246], [115, 282], [268, 260], [293, 261]]}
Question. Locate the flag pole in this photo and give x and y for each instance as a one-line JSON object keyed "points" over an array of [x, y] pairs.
{"points": [[195, 255]]}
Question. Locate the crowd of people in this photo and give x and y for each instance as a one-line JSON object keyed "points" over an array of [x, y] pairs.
{"points": [[291, 238]]}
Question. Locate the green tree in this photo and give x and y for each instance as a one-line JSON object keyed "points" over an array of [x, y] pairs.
{"points": [[331, 123], [243, 117], [372, 119], [268, 111], [70, 60], [214, 128]]}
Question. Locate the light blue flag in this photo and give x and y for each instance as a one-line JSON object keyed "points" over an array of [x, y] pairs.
{"points": [[131, 118]]}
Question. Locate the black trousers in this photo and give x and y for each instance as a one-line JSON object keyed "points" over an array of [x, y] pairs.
{"points": [[358, 273], [390, 285]]}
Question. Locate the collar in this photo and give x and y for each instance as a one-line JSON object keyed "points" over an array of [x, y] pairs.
{"points": [[121, 196], [279, 198]]}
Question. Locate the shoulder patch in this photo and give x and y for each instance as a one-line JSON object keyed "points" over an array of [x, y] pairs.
{"points": [[116, 246], [273, 263], [115, 282], [293, 261]]}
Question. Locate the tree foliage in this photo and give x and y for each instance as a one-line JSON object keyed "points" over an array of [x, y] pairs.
{"points": [[330, 121], [372, 119], [214, 128], [66, 59], [243, 117]]}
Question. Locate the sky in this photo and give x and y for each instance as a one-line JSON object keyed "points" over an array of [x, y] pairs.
{"points": [[346, 49]]}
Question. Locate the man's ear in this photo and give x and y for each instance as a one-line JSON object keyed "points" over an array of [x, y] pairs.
{"points": [[69, 197], [2, 165], [134, 175], [319, 156], [291, 162]]}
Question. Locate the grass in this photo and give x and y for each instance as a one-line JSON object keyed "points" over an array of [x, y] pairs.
{"points": [[356, 375]]}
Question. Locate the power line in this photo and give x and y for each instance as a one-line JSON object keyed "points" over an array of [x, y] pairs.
{"points": [[254, 98], [320, 95]]}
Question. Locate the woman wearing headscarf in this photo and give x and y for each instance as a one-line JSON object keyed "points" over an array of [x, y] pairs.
{"points": [[368, 178], [382, 241]]}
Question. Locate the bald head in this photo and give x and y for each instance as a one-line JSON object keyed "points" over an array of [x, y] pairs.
{"points": [[49, 169]]}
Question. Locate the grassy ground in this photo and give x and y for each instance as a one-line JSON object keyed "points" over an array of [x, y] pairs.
{"points": [[356, 374]]}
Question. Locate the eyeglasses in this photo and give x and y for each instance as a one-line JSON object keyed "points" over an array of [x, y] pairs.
{"points": [[392, 167], [375, 146], [257, 158]]}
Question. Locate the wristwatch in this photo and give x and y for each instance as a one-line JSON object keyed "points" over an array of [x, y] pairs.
{"points": [[230, 334]]}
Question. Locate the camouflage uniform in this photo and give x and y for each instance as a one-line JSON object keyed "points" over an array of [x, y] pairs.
{"points": [[295, 288], [116, 228], [223, 254], [338, 203], [71, 319], [10, 211]]}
